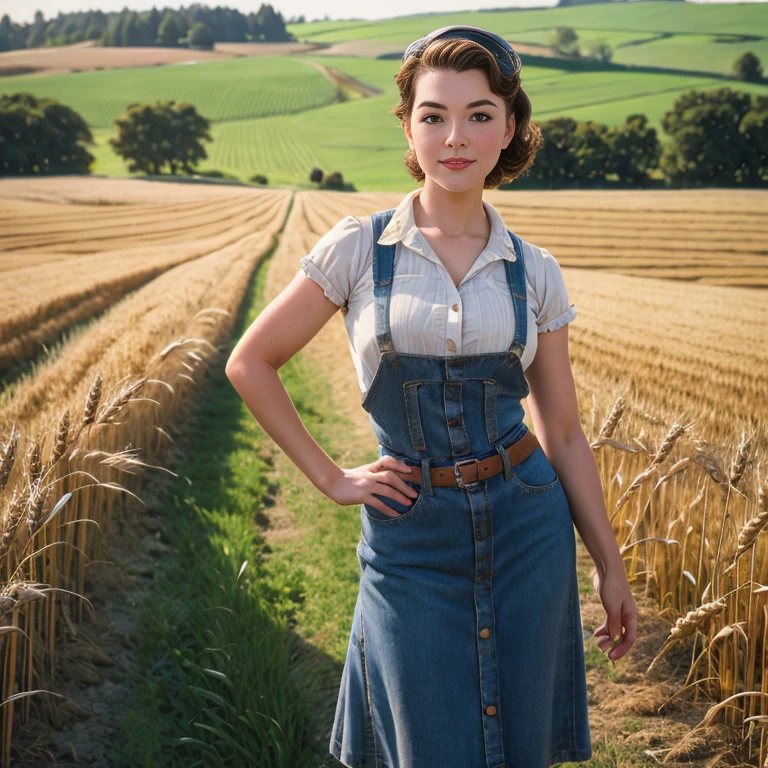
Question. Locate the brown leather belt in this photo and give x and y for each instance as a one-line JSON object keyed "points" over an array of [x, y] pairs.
{"points": [[472, 470]]}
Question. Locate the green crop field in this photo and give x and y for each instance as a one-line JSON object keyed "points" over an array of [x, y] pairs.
{"points": [[657, 34], [232, 89], [281, 116]]}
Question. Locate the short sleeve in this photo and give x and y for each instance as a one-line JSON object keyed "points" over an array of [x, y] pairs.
{"points": [[334, 261], [555, 310]]}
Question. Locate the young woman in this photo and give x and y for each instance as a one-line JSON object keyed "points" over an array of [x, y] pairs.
{"points": [[466, 646]]}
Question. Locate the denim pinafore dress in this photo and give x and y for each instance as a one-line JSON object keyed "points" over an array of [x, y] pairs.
{"points": [[466, 646]]}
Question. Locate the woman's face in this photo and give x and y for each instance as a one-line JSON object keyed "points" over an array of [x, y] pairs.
{"points": [[455, 114]]}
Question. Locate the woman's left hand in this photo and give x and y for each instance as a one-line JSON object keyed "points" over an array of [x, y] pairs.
{"points": [[621, 613]]}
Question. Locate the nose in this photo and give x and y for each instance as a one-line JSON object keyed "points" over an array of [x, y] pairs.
{"points": [[456, 137]]}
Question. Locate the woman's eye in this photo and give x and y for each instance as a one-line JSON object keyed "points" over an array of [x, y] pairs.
{"points": [[426, 119]]}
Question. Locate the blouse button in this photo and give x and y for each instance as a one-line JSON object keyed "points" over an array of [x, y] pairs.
{"points": [[455, 307], [490, 710], [485, 632], [451, 345]]}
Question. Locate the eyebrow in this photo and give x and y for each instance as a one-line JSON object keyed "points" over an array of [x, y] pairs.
{"points": [[437, 105]]}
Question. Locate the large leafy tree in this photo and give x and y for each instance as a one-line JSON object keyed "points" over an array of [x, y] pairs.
{"points": [[748, 67], [164, 134], [716, 139], [635, 150], [41, 136], [556, 161], [201, 36]]}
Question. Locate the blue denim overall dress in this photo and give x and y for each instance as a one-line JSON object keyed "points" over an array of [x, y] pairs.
{"points": [[466, 645]]}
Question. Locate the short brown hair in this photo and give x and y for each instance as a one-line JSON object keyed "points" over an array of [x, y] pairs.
{"points": [[460, 55]]}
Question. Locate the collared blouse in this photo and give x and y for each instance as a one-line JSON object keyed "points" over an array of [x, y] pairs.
{"points": [[428, 314]]}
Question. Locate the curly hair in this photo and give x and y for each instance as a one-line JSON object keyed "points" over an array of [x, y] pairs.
{"points": [[460, 55]]}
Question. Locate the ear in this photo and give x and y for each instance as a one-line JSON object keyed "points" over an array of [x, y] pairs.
{"points": [[407, 129], [510, 132]]}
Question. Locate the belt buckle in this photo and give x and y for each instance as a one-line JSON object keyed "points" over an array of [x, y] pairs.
{"points": [[459, 479]]}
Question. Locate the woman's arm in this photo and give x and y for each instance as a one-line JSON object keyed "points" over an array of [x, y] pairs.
{"points": [[554, 410], [283, 328]]}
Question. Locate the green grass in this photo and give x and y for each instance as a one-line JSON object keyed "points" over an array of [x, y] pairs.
{"points": [[281, 117], [214, 662], [692, 28], [731, 18], [364, 141], [248, 667], [232, 89]]}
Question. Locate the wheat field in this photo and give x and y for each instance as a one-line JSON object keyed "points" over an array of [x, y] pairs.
{"points": [[135, 284]]}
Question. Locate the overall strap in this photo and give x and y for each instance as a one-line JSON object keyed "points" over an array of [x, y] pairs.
{"points": [[517, 287], [383, 269]]}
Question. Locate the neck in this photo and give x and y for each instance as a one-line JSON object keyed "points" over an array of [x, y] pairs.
{"points": [[455, 214]]}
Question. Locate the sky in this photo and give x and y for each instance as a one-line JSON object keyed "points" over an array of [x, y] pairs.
{"points": [[24, 10]]}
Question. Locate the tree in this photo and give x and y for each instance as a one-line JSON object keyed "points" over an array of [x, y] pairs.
{"points": [[153, 26], [200, 36], [600, 51], [591, 150], [754, 130], [555, 161], [132, 30], [711, 138], [635, 150], [151, 136], [564, 40], [271, 25], [168, 33], [332, 181], [41, 136], [748, 67], [6, 34]]}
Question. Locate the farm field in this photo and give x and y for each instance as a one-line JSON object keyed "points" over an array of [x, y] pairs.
{"points": [[361, 137], [689, 260], [107, 256], [655, 34], [87, 56], [179, 273], [221, 91], [280, 111]]}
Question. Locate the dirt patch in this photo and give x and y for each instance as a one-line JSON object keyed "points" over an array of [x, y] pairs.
{"points": [[88, 57], [372, 49], [343, 81]]}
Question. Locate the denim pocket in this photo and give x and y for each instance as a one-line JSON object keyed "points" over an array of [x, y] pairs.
{"points": [[535, 473], [404, 511]]}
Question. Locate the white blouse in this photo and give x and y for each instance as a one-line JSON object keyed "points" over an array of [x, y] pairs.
{"points": [[428, 314]]}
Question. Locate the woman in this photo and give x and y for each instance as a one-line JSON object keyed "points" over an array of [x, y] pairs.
{"points": [[466, 646]]}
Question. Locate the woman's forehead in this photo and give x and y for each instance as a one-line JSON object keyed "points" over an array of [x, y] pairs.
{"points": [[453, 88]]}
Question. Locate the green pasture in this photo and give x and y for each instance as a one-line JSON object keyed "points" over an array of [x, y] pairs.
{"points": [[656, 34], [684, 18], [231, 89], [364, 140], [281, 116]]}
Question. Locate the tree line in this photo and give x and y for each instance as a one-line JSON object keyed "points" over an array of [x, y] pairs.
{"points": [[718, 137], [165, 28]]}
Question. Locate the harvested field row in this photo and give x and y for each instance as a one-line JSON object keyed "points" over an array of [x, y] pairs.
{"points": [[84, 276], [127, 227], [81, 286]]}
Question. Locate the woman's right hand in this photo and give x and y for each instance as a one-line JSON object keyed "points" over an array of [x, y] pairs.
{"points": [[357, 485]]}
